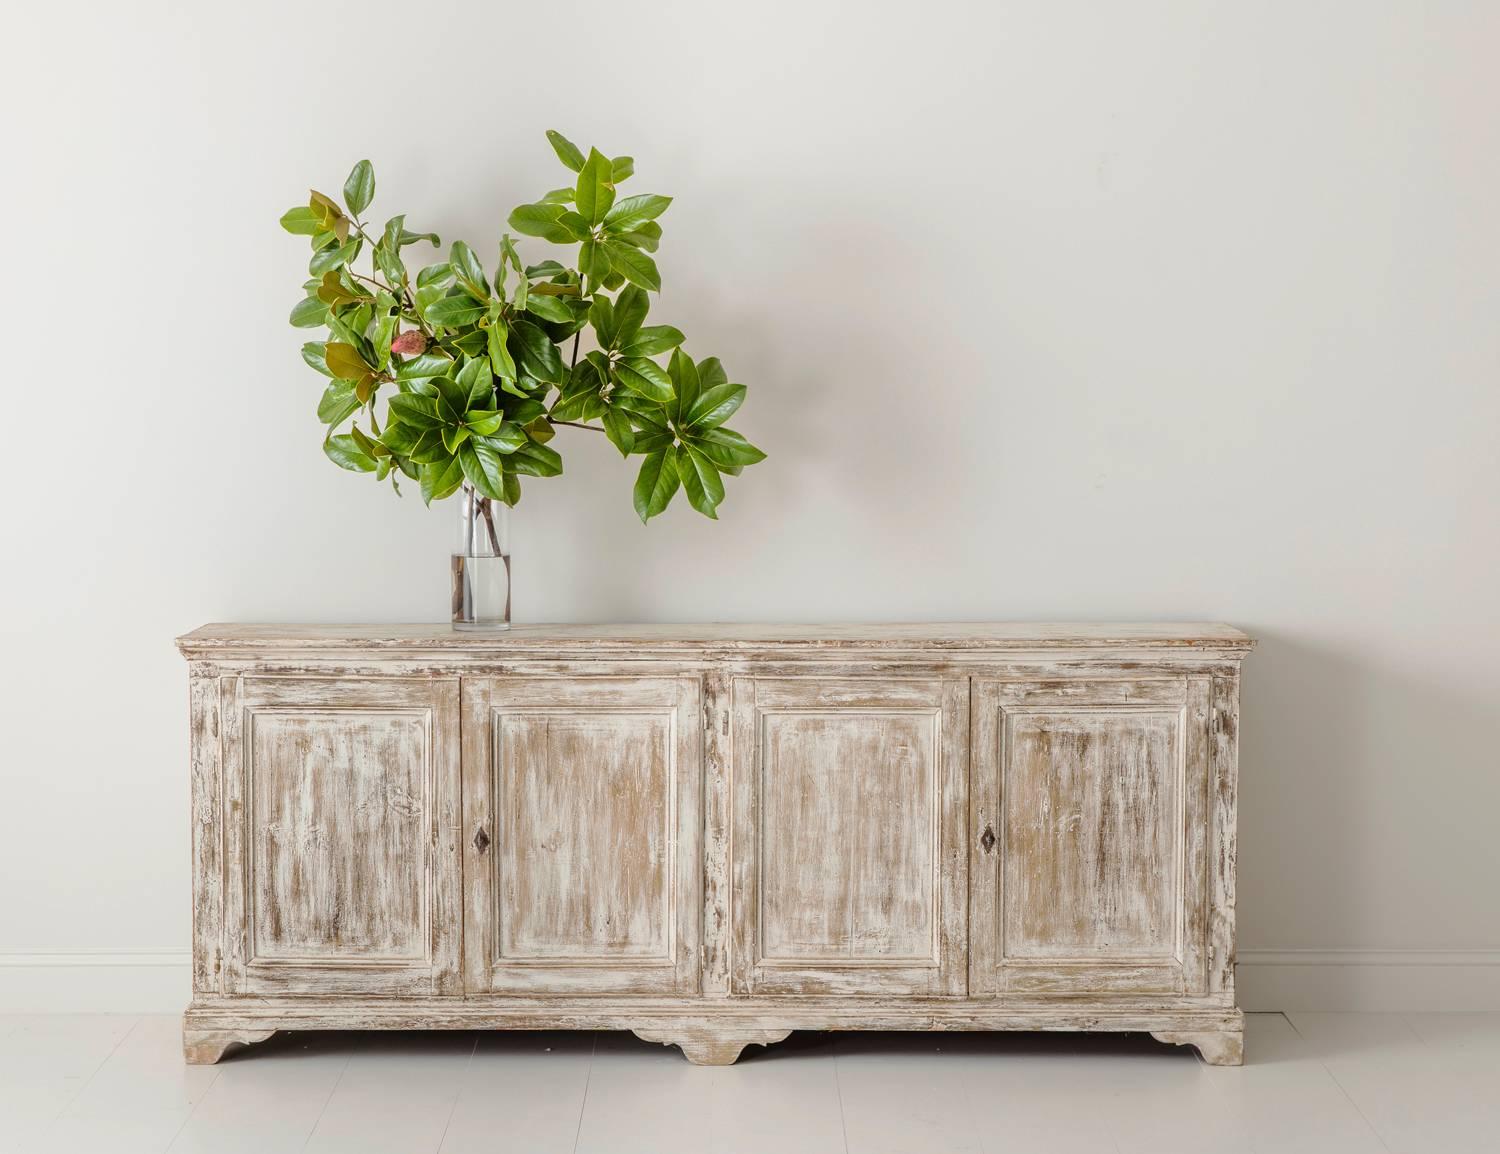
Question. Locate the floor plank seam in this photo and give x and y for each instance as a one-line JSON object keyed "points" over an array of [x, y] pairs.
{"points": [[584, 1104], [332, 1090], [463, 1080]]}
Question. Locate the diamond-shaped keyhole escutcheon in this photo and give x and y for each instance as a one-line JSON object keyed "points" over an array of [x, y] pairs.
{"points": [[987, 839], [481, 840]]}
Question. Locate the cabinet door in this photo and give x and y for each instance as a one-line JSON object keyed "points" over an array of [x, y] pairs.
{"points": [[341, 859], [1089, 858], [848, 841], [582, 835]]}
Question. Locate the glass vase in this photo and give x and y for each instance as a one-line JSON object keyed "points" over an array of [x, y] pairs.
{"points": [[481, 563]]}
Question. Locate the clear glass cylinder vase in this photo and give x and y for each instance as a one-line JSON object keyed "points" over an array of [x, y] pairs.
{"points": [[481, 563]]}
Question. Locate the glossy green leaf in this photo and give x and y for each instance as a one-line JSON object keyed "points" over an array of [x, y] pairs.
{"points": [[655, 484], [483, 422], [631, 307], [567, 152], [337, 403], [726, 448], [535, 460], [468, 270], [700, 481], [441, 479], [457, 311], [622, 168], [647, 236], [477, 382], [501, 363], [423, 365], [652, 340], [637, 267], [455, 437], [539, 357], [309, 313], [593, 261], [435, 274], [313, 354], [715, 406], [684, 376], [359, 189], [344, 452], [711, 373], [507, 438], [540, 220], [301, 221], [595, 192], [558, 196], [620, 431], [549, 308], [415, 410], [634, 211]]}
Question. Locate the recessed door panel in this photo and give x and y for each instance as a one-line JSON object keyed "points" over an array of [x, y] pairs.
{"points": [[848, 826], [339, 861], [1089, 799], [582, 839]]}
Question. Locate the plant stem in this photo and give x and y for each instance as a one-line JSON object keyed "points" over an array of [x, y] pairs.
{"points": [[577, 425]]}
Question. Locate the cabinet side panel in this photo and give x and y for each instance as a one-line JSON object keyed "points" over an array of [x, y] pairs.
{"points": [[207, 833], [1225, 729]]}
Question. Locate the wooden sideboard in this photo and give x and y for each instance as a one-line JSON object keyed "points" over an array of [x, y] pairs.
{"points": [[714, 834]]}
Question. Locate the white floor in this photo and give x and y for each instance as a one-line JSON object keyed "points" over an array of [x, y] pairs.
{"points": [[1328, 1083]]}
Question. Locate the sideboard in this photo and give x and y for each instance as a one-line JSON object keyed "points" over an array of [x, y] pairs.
{"points": [[713, 835]]}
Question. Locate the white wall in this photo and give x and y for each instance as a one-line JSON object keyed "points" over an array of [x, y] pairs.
{"points": [[1050, 310]]}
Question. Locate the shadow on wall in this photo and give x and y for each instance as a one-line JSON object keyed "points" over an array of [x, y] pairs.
{"points": [[1350, 776]]}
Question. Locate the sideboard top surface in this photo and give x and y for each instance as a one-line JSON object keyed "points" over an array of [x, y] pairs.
{"points": [[622, 639]]}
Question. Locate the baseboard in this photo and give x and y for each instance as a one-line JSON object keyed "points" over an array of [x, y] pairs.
{"points": [[95, 981], [158, 981], [1378, 980]]}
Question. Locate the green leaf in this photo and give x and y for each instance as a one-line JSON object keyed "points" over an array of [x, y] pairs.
{"points": [[726, 448], [431, 238], [309, 313], [653, 339], [415, 410], [593, 261], [647, 236], [475, 378], [335, 256], [535, 460], [507, 438], [618, 428], [422, 366], [312, 353], [468, 270], [715, 406], [566, 150], [539, 357], [622, 168], [711, 373], [435, 274], [301, 221], [455, 437], [454, 312], [500, 359], [547, 268], [338, 403], [359, 189], [483, 422], [634, 211], [540, 220], [647, 378], [345, 452], [549, 308], [700, 481], [684, 375], [655, 484], [482, 466], [441, 479], [637, 267], [631, 307], [602, 317], [344, 361], [595, 192], [558, 196]]}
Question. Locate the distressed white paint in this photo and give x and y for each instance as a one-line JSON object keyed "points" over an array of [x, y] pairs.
{"points": [[713, 835]]}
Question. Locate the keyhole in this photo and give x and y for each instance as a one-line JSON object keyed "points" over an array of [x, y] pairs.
{"points": [[987, 839]]}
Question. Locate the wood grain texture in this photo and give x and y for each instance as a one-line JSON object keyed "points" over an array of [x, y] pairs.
{"points": [[849, 828], [588, 792], [340, 865], [714, 834], [1224, 1047]]}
